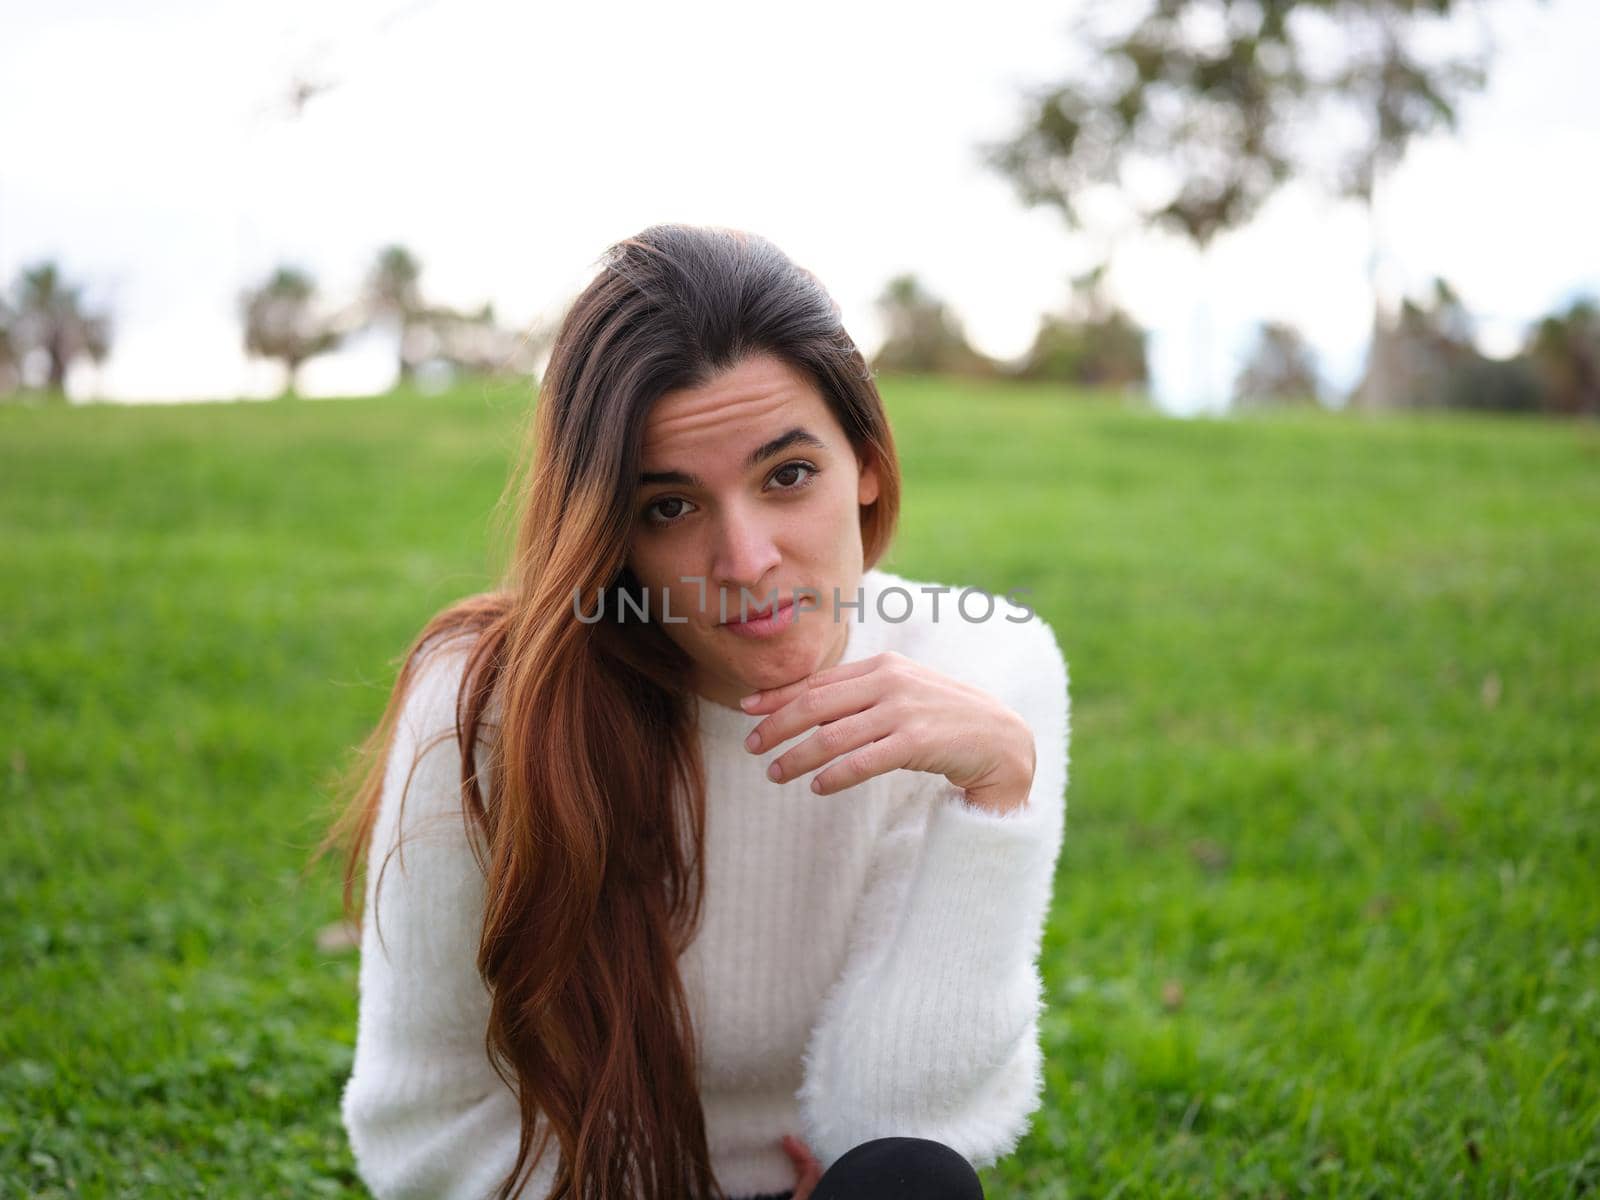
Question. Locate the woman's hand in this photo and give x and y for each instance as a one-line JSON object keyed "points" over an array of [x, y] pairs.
{"points": [[890, 712], [806, 1167]]}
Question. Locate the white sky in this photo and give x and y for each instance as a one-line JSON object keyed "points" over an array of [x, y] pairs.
{"points": [[153, 154]]}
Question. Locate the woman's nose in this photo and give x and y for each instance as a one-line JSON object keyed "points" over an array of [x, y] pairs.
{"points": [[745, 553]]}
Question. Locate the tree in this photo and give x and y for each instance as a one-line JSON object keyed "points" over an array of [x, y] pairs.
{"points": [[1281, 370], [10, 352], [1564, 350], [1095, 353], [281, 322], [463, 341], [1202, 109], [393, 294], [1426, 344], [1429, 359], [1092, 342], [923, 334], [475, 343], [51, 317]]}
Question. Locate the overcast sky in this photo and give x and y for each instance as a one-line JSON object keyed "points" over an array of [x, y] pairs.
{"points": [[155, 154]]}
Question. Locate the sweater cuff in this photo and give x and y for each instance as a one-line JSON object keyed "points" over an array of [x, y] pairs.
{"points": [[984, 883]]}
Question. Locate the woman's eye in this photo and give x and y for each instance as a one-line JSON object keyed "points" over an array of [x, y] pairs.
{"points": [[657, 511], [809, 470], [654, 513]]}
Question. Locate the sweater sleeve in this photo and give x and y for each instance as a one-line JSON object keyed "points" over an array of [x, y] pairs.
{"points": [[426, 1112], [932, 1029]]}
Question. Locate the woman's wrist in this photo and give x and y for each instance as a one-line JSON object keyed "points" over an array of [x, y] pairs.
{"points": [[1005, 788]]}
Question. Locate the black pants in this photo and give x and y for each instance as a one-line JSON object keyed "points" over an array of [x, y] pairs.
{"points": [[896, 1168]]}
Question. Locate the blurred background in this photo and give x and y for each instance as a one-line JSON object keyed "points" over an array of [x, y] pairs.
{"points": [[1254, 341], [1246, 192]]}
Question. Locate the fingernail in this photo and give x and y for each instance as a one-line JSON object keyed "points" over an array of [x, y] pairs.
{"points": [[753, 742], [774, 772], [749, 700]]}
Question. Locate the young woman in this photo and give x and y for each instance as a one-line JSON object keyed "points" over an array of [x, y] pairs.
{"points": [[741, 888]]}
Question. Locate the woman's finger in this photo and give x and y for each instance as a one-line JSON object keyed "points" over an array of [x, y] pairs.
{"points": [[876, 758], [807, 1169], [772, 698], [832, 740], [818, 705]]}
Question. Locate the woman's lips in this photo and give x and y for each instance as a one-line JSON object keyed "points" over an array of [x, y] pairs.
{"points": [[762, 626]]}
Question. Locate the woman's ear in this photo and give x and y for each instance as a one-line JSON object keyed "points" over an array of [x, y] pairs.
{"points": [[867, 489]]}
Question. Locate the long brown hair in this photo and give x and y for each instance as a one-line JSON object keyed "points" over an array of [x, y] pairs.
{"points": [[596, 795]]}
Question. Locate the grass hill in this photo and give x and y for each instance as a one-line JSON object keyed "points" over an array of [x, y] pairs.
{"points": [[1326, 921]]}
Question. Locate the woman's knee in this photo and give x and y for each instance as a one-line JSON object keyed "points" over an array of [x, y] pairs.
{"points": [[900, 1168]]}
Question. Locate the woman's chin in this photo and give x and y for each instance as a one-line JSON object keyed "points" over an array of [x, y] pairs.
{"points": [[775, 668]]}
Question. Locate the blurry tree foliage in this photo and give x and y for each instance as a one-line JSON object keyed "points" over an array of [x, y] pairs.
{"points": [[1429, 359], [1281, 370], [922, 334], [1200, 110], [10, 351], [283, 321], [1564, 351], [1091, 342], [393, 295], [1190, 114], [46, 329], [470, 342]]}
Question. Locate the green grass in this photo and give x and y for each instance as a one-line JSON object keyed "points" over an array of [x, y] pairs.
{"points": [[1326, 922]]}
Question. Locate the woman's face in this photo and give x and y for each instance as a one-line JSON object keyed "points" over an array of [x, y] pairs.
{"points": [[723, 506]]}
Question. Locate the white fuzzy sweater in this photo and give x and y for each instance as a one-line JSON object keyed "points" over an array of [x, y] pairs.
{"points": [[867, 964]]}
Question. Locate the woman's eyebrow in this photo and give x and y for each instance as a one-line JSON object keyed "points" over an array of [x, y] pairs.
{"points": [[798, 436]]}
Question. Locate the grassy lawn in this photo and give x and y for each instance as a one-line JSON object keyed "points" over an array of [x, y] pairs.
{"points": [[1321, 925]]}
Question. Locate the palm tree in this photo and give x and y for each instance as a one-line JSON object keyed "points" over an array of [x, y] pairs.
{"points": [[51, 317], [393, 294], [281, 322]]}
